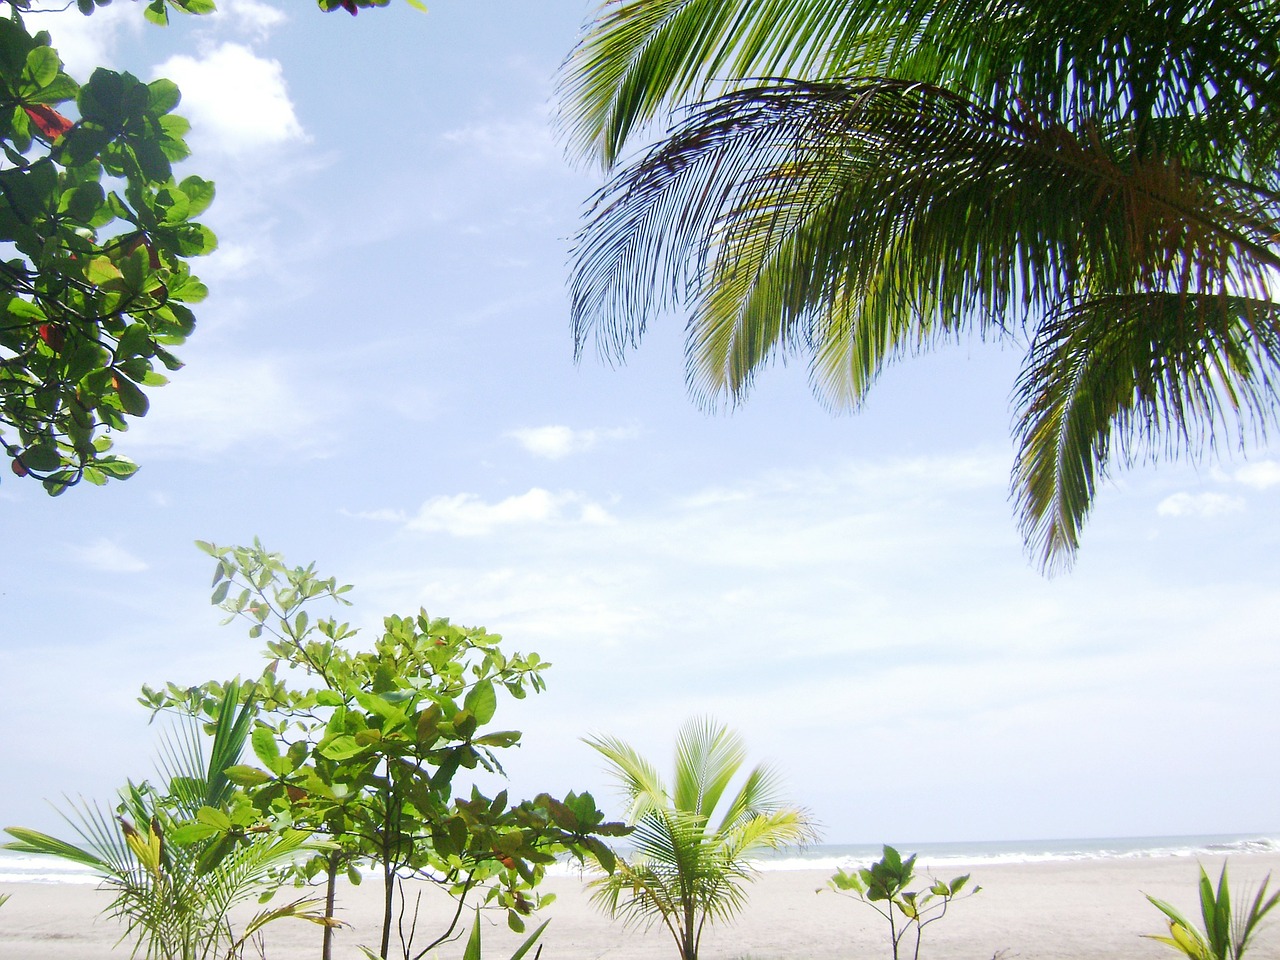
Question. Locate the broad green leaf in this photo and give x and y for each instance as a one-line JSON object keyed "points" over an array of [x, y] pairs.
{"points": [[243, 775], [266, 748], [482, 701], [42, 457]]}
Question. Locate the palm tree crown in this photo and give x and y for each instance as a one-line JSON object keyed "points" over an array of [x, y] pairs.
{"points": [[1097, 180], [693, 840]]}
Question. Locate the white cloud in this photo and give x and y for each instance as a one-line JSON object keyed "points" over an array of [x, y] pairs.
{"points": [[384, 515], [250, 17], [104, 555], [237, 102], [1260, 475], [85, 43], [1199, 505], [555, 442], [466, 515]]}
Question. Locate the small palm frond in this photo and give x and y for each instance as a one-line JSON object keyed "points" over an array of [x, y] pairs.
{"points": [[637, 776], [761, 792], [683, 872], [708, 755], [193, 780], [1119, 374], [767, 830]]}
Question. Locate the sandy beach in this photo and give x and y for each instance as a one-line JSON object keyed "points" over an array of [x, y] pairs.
{"points": [[1082, 910]]}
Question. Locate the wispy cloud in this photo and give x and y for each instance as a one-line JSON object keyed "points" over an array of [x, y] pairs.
{"points": [[237, 102], [1261, 475], [218, 405], [556, 442], [524, 142], [467, 515], [103, 554], [1199, 505]]}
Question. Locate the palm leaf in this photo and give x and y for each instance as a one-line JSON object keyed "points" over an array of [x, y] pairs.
{"points": [[1121, 374]]}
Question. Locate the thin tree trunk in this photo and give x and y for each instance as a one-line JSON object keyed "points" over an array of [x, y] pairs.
{"points": [[388, 871], [388, 902], [330, 893]]}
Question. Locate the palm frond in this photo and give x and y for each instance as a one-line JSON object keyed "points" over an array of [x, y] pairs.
{"points": [[1107, 59], [852, 223], [1116, 375], [639, 778], [761, 792], [708, 756]]}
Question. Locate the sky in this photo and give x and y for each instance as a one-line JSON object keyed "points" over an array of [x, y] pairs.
{"points": [[382, 381]]}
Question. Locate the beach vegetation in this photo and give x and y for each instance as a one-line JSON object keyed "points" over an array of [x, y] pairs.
{"points": [[363, 748], [178, 855], [849, 182], [694, 839], [1226, 934], [883, 887]]}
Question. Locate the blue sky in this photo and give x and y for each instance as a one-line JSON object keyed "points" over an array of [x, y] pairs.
{"points": [[382, 381]]}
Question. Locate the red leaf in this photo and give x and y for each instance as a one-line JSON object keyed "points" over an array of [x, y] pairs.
{"points": [[18, 467], [349, 6], [52, 335], [50, 122]]}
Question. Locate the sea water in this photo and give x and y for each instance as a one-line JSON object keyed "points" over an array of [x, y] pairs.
{"points": [[829, 857]]}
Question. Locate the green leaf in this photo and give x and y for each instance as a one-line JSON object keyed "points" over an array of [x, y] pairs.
{"points": [[162, 96], [32, 841], [157, 13], [133, 400], [472, 951], [192, 833], [101, 270], [42, 66], [243, 775], [214, 818], [342, 748], [482, 701], [266, 748], [42, 457], [199, 195]]}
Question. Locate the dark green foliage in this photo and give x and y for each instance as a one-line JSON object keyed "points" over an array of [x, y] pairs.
{"points": [[96, 291], [94, 295]]}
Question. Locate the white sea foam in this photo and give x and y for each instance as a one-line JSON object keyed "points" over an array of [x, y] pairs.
{"points": [[22, 868], [941, 856]]}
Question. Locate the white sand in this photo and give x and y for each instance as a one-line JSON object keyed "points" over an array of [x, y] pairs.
{"points": [[1085, 910]]}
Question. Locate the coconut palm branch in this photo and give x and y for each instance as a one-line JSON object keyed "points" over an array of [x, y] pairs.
{"points": [[853, 181], [850, 223], [693, 840], [1099, 59]]}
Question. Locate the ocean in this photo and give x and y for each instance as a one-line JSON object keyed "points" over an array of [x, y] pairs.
{"points": [[18, 868]]}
